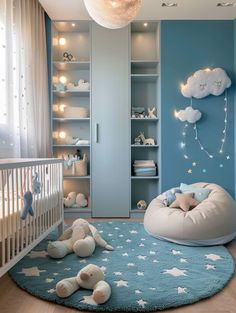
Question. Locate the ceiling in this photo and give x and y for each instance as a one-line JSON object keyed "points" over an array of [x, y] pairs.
{"points": [[150, 10]]}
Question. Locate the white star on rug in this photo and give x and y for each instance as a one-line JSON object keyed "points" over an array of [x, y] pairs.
{"points": [[175, 272], [140, 273], [152, 252], [142, 257], [83, 261], [210, 267], [117, 228], [154, 244], [143, 239], [213, 257], [133, 232], [105, 260], [125, 254], [119, 247], [51, 290], [55, 274], [183, 260], [31, 271], [105, 251], [100, 231], [175, 252], [121, 283], [128, 240], [121, 236], [117, 273], [103, 268], [130, 264], [137, 291], [59, 262], [37, 254], [89, 300], [152, 288], [110, 222], [141, 303], [155, 261], [181, 290], [49, 280], [110, 235], [141, 245], [67, 269]]}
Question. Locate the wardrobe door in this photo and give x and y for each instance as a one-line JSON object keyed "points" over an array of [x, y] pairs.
{"points": [[110, 122]]}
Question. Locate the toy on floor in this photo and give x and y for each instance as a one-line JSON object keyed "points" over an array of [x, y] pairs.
{"points": [[72, 199], [90, 277], [80, 238], [142, 205], [28, 200]]}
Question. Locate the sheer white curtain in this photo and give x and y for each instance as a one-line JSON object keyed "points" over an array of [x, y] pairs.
{"points": [[24, 104]]}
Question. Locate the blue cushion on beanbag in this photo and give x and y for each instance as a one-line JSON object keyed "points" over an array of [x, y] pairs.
{"points": [[200, 194], [170, 196]]}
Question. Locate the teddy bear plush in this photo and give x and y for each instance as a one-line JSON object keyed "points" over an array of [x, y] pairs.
{"points": [[90, 277], [80, 238], [72, 199]]}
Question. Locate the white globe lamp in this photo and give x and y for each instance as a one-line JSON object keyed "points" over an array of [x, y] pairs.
{"points": [[113, 14]]}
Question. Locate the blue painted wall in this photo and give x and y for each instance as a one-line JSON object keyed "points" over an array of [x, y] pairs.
{"points": [[187, 46]]}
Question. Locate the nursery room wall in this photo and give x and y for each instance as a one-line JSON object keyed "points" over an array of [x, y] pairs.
{"points": [[187, 46]]}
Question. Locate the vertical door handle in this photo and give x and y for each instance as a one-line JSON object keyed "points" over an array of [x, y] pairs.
{"points": [[96, 132]]}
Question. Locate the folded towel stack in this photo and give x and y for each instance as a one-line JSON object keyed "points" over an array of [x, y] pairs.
{"points": [[144, 168]]}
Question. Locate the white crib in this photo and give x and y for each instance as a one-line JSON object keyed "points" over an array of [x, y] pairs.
{"points": [[17, 236]]}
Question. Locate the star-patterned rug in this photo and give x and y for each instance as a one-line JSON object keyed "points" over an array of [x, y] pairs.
{"points": [[145, 274]]}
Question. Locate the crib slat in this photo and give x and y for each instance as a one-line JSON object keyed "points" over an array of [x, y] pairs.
{"points": [[8, 219], [18, 213], [13, 224], [3, 219], [22, 230]]}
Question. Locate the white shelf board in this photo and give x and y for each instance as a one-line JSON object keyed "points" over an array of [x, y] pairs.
{"points": [[144, 119], [75, 93], [71, 66], [144, 146], [144, 177], [144, 78], [70, 119], [76, 177], [69, 146], [77, 210]]}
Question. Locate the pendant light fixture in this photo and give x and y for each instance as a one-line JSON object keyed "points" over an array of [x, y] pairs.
{"points": [[113, 14]]}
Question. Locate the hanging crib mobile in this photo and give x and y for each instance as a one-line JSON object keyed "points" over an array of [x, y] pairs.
{"points": [[200, 85]]}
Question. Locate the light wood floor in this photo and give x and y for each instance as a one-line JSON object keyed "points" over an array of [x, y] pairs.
{"points": [[15, 300]]}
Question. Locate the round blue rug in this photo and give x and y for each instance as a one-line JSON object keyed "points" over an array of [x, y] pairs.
{"points": [[145, 274]]}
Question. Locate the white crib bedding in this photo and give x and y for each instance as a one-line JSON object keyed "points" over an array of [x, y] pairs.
{"points": [[10, 221]]}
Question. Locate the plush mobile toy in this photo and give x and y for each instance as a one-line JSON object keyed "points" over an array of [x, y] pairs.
{"points": [[28, 200]]}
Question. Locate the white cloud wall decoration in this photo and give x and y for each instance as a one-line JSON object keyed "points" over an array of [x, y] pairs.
{"points": [[189, 115], [206, 82]]}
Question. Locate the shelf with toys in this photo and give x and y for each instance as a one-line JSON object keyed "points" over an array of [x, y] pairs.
{"points": [[144, 110], [71, 105]]}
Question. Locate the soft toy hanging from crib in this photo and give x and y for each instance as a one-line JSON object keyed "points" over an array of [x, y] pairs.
{"points": [[80, 238], [28, 197]]}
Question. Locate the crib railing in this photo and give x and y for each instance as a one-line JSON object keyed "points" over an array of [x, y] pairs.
{"points": [[17, 176]]}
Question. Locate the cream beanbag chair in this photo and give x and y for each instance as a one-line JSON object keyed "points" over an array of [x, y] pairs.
{"points": [[212, 222]]}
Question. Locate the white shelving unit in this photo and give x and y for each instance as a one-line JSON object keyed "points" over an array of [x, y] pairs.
{"points": [[144, 82], [77, 42]]}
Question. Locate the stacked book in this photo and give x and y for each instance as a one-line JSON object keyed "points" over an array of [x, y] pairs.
{"points": [[144, 168]]}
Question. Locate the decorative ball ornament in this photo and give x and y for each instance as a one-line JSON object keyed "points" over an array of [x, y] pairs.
{"points": [[113, 14]]}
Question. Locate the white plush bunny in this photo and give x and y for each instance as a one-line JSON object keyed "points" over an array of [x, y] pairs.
{"points": [[151, 113]]}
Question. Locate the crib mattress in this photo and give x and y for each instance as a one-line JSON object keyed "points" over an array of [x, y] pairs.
{"points": [[10, 221]]}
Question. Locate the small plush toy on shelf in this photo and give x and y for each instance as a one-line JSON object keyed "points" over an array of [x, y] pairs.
{"points": [[75, 200], [151, 113], [68, 57]]}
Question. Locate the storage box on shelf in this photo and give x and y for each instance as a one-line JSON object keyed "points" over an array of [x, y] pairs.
{"points": [[71, 103], [144, 112]]}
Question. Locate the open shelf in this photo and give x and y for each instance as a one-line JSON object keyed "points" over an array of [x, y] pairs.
{"points": [[71, 66], [144, 177], [70, 119], [144, 146], [70, 146], [141, 78], [144, 119], [67, 93], [76, 177]]}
